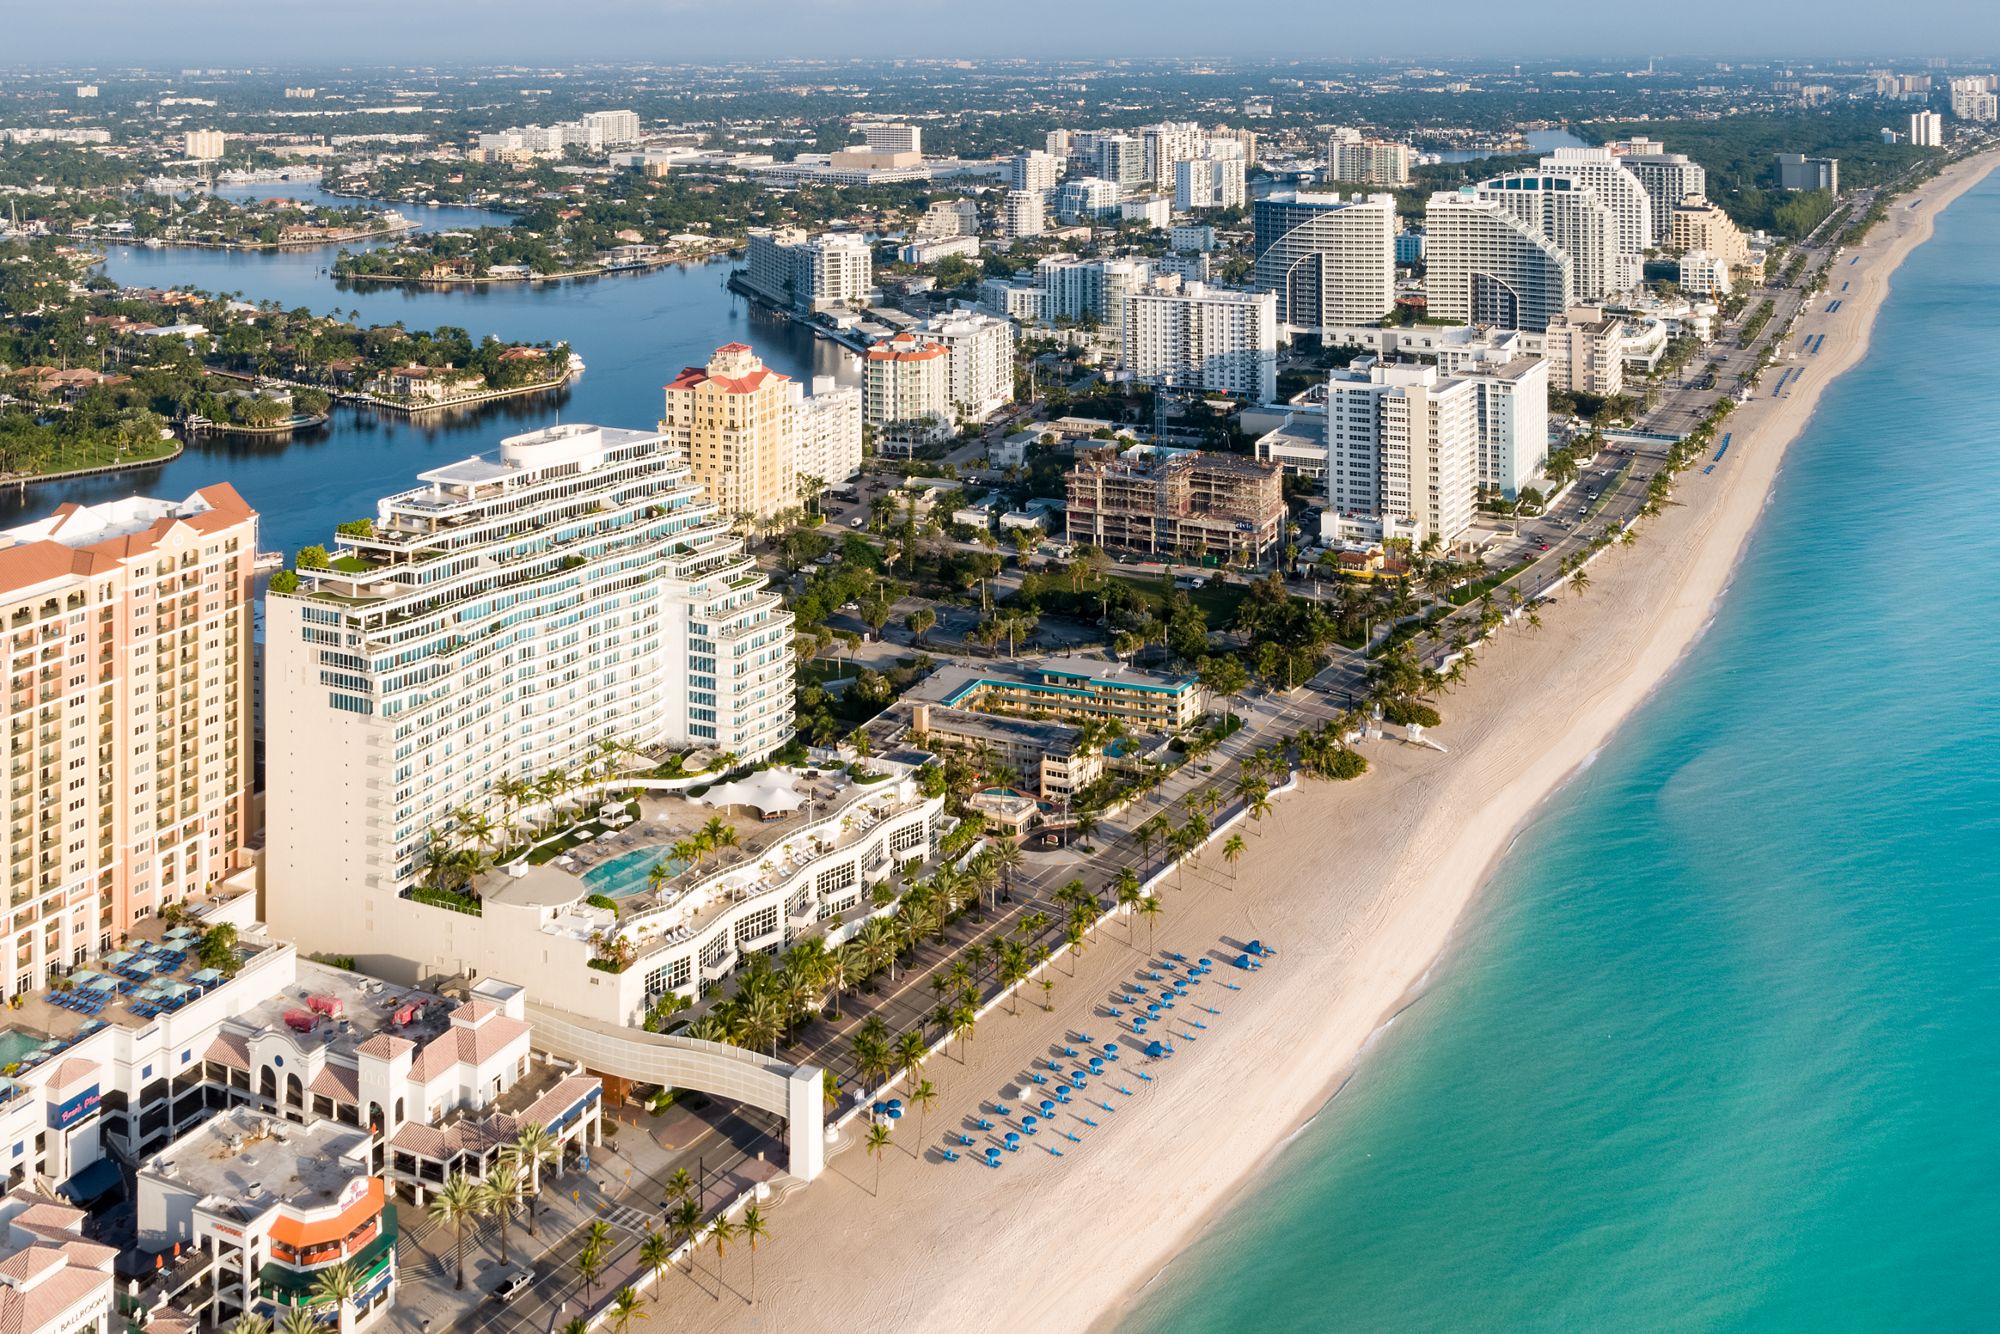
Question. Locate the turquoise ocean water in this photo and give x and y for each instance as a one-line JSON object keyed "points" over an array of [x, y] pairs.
{"points": [[1720, 1048]]}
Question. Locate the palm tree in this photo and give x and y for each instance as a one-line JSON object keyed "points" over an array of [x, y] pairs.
{"points": [[911, 1049], [923, 1095], [1129, 894], [752, 1230], [686, 1220], [626, 1307], [532, 1149], [720, 1234], [879, 1139], [1259, 807], [590, 1261], [963, 1019], [1150, 908], [457, 1203], [1232, 852], [501, 1191], [299, 1320], [656, 1252], [250, 1323], [340, 1284]]}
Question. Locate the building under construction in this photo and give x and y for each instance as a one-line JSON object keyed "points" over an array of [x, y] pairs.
{"points": [[1176, 502]]}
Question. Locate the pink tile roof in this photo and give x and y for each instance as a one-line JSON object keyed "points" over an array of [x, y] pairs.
{"points": [[334, 1082], [466, 1044], [385, 1047], [230, 1050]]}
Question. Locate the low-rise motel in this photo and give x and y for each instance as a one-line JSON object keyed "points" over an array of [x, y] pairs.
{"points": [[1072, 690]]}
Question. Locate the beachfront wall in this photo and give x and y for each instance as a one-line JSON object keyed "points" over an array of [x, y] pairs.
{"points": [[790, 1091]]}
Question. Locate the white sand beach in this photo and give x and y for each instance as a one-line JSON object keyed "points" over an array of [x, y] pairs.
{"points": [[1359, 886]]}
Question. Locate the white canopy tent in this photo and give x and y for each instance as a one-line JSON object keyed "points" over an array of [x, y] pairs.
{"points": [[768, 793]]}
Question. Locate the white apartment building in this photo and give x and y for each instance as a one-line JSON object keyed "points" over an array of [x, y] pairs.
{"points": [[202, 145], [1022, 302], [947, 218], [829, 418], [1090, 289], [1667, 177], [1513, 397], [1034, 170], [1331, 259], [1023, 214], [128, 640], [501, 620], [1154, 211], [931, 250], [979, 361], [906, 394], [1703, 274], [1926, 129], [1120, 159], [613, 129], [1402, 454], [883, 138], [1168, 143], [1194, 336], [1487, 266], [1611, 178], [1191, 236], [789, 269], [1205, 183], [1571, 216], [1087, 197], [1973, 99]]}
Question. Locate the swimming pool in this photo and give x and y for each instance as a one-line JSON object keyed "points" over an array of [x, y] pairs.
{"points": [[630, 872], [15, 1046]]}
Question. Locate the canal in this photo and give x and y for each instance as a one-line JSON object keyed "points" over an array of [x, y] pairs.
{"points": [[633, 331]]}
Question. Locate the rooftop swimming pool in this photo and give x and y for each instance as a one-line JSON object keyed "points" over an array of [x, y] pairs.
{"points": [[631, 872], [15, 1046]]}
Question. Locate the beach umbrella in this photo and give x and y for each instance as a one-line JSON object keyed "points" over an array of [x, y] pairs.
{"points": [[1154, 1049], [1048, 1107], [1243, 961], [1013, 1137], [993, 1157]]}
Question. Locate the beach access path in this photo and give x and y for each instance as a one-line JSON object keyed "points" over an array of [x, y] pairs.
{"points": [[1358, 885]]}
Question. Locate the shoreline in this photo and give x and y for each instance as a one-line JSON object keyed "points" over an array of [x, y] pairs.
{"points": [[1363, 889]]}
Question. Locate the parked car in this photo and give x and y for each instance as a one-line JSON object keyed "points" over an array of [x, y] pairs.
{"points": [[512, 1286]]}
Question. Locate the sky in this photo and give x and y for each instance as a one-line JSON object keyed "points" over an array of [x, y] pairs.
{"points": [[321, 32]]}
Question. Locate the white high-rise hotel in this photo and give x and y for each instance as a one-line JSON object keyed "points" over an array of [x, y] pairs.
{"points": [[500, 621]]}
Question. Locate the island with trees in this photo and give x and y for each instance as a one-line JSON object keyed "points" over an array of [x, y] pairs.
{"points": [[96, 377]]}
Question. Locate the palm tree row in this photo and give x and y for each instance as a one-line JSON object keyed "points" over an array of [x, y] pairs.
{"points": [[514, 1179]]}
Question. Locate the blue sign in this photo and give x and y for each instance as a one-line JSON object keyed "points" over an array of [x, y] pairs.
{"points": [[65, 1114]]}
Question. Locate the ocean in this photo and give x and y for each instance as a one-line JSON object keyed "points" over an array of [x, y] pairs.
{"points": [[1719, 1046]]}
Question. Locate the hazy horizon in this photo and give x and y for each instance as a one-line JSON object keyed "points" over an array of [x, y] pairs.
{"points": [[296, 35]]}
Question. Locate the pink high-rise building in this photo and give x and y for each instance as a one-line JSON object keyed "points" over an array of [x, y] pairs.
{"points": [[128, 634]]}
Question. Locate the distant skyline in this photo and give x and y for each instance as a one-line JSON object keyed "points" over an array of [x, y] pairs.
{"points": [[299, 33]]}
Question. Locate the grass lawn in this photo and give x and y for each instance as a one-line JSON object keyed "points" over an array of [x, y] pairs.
{"points": [[1218, 604], [1458, 597], [74, 455]]}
